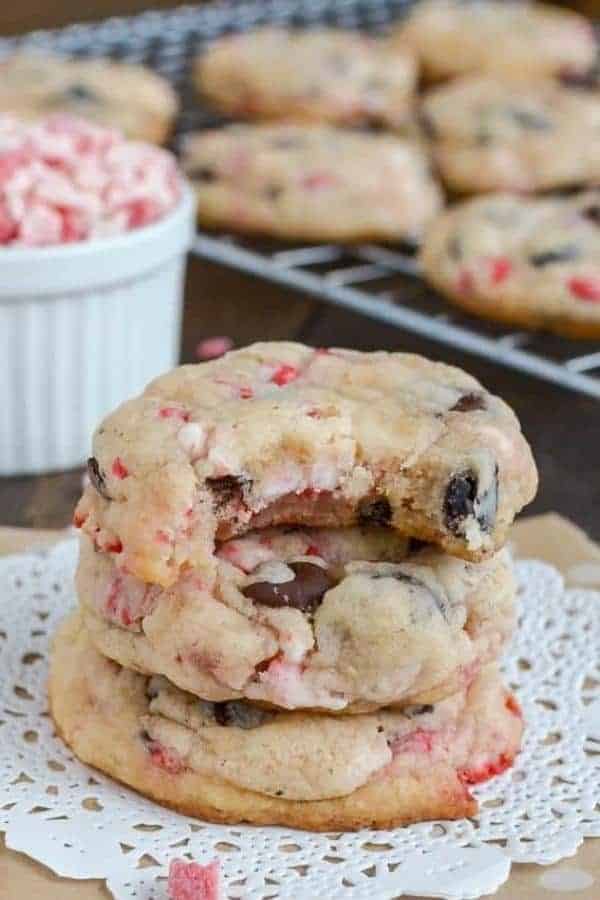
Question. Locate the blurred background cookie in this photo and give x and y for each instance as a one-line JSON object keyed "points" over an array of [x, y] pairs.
{"points": [[451, 38], [490, 134], [322, 75], [131, 98], [531, 262], [311, 182]]}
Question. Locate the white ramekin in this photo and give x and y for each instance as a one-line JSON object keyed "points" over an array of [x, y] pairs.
{"points": [[83, 327]]}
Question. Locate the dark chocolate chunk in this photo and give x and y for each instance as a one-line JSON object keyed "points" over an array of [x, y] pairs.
{"points": [[374, 511], [304, 591], [273, 191], [529, 120], [555, 255], [421, 710], [585, 81], [81, 93], [240, 714], [427, 126], [454, 247], [592, 213], [471, 402], [226, 488], [459, 502], [204, 174], [97, 477], [415, 544], [145, 736]]}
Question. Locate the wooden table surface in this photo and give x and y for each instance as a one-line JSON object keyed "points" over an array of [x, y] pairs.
{"points": [[563, 427]]}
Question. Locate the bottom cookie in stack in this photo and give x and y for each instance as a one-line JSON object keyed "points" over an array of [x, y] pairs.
{"points": [[235, 761]]}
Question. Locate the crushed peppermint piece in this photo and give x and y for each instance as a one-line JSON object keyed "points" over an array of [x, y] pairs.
{"points": [[191, 881], [119, 469], [210, 348], [65, 180], [284, 375], [585, 288]]}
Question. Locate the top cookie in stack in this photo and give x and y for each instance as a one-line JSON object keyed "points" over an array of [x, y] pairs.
{"points": [[284, 434]]}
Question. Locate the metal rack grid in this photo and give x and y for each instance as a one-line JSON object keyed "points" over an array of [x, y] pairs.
{"points": [[379, 282]]}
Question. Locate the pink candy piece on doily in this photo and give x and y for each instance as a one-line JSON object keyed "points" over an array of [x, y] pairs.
{"points": [[191, 881], [213, 347], [64, 180]]}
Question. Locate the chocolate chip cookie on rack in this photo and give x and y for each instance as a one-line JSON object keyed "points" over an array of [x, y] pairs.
{"points": [[318, 75], [132, 98], [311, 182], [453, 37], [532, 262], [293, 593]]}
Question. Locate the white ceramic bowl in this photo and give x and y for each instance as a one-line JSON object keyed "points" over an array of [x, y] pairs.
{"points": [[82, 328]]}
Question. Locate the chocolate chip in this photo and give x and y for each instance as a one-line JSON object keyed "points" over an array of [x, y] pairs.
{"points": [[273, 191], [530, 121], [470, 402], [427, 126], [374, 511], [415, 544], [454, 247], [592, 213], [145, 736], [421, 710], [227, 488], [202, 173], [240, 714], [555, 255], [459, 502], [586, 81], [304, 591], [97, 477], [81, 92]]}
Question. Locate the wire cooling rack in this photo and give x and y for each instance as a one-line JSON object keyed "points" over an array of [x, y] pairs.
{"points": [[379, 282]]}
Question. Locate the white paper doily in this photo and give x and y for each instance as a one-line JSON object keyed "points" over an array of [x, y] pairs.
{"points": [[83, 825]]}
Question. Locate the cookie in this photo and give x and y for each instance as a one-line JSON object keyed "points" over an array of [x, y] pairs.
{"points": [[492, 135], [453, 37], [233, 762], [529, 262], [131, 98], [344, 620], [303, 182], [322, 75], [279, 433]]}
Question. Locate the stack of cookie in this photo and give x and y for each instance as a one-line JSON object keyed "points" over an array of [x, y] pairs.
{"points": [[293, 593]]}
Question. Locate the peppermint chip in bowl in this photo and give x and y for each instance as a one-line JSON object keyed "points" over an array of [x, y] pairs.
{"points": [[64, 180]]}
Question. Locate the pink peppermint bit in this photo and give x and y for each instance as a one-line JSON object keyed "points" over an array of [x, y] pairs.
{"points": [[174, 412], [500, 269], [317, 181], [284, 375], [213, 347], [585, 288], [191, 881], [119, 469]]}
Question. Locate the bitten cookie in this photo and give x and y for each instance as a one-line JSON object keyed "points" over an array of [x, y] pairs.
{"points": [[491, 135], [279, 433], [311, 183], [322, 75], [531, 262], [233, 762], [131, 98], [452, 37], [345, 620]]}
